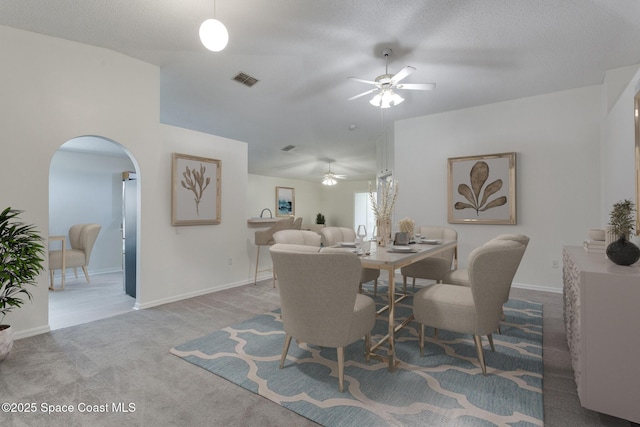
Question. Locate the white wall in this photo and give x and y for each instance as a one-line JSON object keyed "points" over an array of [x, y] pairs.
{"points": [[339, 202], [618, 149], [556, 138], [88, 188], [191, 260], [55, 90]]}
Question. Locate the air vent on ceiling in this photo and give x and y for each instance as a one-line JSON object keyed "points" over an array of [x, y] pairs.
{"points": [[245, 79], [289, 148]]}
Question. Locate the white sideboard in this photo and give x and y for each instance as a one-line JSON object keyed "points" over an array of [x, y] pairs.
{"points": [[602, 320]]}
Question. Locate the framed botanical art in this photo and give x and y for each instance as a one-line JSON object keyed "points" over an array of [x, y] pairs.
{"points": [[195, 190], [482, 189], [285, 201]]}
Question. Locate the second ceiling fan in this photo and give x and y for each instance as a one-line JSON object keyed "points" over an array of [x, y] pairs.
{"points": [[330, 178], [386, 83]]}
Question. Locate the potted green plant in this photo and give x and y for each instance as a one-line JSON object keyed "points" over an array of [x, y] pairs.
{"points": [[20, 265], [621, 221], [320, 219]]}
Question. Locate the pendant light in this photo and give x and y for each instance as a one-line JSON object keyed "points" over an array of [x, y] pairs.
{"points": [[213, 34]]}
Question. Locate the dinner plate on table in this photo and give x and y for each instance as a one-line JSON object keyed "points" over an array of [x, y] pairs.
{"points": [[347, 244], [430, 242], [401, 249]]}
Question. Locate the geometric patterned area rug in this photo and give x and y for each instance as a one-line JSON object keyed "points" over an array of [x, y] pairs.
{"points": [[446, 387]]}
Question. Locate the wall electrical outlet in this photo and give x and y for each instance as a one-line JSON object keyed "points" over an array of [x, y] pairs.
{"points": [[555, 264]]}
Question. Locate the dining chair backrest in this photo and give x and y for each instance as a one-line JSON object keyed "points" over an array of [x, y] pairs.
{"points": [[441, 233], [297, 237], [491, 271], [333, 235], [317, 294], [82, 237], [265, 237]]}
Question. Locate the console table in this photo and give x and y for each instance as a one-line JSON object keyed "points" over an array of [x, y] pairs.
{"points": [[602, 320]]}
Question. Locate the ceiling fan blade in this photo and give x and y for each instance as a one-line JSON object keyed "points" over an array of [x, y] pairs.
{"points": [[417, 86], [402, 74], [362, 94], [371, 82]]}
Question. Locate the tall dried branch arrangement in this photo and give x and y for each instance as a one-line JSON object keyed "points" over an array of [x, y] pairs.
{"points": [[196, 182], [383, 206]]}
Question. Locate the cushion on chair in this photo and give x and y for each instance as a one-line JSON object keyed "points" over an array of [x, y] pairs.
{"points": [[458, 277], [448, 307], [73, 258]]}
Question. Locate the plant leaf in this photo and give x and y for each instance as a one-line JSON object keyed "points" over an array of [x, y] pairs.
{"points": [[479, 175], [495, 203], [464, 190], [461, 205], [492, 188]]}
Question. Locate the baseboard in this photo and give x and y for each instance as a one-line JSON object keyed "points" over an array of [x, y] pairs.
{"points": [[188, 295], [31, 332], [536, 288]]}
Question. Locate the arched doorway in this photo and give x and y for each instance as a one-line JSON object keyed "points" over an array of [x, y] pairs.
{"points": [[86, 185]]}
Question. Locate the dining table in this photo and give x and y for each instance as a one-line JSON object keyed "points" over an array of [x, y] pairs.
{"points": [[390, 258]]}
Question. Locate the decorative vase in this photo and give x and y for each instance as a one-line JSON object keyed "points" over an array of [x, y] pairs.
{"points": [[6, 341], [384, 231], [623, 252]]}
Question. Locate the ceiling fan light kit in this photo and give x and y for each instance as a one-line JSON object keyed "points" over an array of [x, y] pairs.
{"points": [[386, 99], [386, 83], [329, 180], [213, 34]]}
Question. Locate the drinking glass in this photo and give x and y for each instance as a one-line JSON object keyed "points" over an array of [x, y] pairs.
{"points": [[360, 235], [362, 232]]}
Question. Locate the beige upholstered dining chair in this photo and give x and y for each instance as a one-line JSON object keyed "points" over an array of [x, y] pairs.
{"points": [[333, 235], [435, 267], [81, 238], [319, 300], [475, 309], [265, 238], [461, 276]]}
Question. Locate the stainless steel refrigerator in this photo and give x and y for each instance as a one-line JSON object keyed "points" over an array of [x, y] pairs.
{"points": [[129, 228]]}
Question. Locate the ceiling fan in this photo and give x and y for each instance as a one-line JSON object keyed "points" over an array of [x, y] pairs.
{"points": [[386, 83], [331, 178]]}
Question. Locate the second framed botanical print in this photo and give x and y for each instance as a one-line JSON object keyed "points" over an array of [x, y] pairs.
{"points": [[482, 189]]}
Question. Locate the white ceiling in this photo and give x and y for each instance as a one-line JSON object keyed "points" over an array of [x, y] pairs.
{"points": [[302, 51]]}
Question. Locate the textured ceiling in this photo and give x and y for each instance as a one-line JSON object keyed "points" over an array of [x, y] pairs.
{"points": [[302, 51]]}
